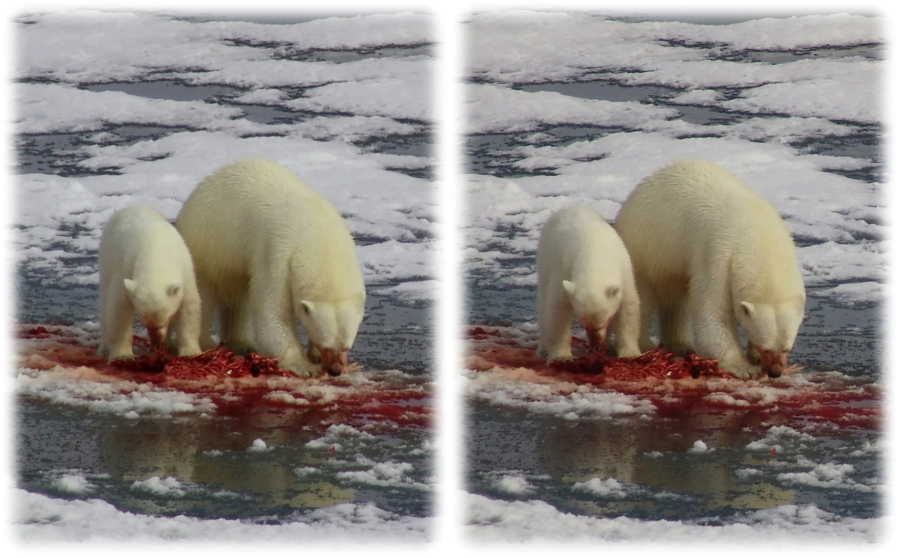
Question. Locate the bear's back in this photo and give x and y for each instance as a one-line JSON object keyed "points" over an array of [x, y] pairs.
{"points": [[694, 207], [141, 233], [577, 235], [254, 207]]}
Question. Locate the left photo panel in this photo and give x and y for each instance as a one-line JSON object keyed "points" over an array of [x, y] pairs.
{"points": [[224, 239]]}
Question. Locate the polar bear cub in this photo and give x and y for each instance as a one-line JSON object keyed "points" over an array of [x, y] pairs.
{"points": [[709, 253], [269, 250], [584, 272], [145, 267]]}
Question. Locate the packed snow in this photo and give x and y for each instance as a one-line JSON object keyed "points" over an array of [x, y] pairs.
{"points": [[533, 521], [52, 520]]}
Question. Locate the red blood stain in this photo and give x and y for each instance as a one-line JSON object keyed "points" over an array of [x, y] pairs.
{"points": [[35, 332], [679, 387], [158, 366], [236, 385], [656, 363]]}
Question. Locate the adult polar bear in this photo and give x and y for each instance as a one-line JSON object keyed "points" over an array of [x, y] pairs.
{"points": [[584, 272], [708, 252], [268, 249]]}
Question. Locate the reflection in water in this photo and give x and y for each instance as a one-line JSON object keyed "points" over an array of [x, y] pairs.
{"points": [[626, 452], [218, 474]]}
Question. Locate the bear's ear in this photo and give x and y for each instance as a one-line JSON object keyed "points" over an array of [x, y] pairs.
{"points": [[307, 305], [612, 291], [569, 287], [747, 309], [130, 285], [173, 290]]}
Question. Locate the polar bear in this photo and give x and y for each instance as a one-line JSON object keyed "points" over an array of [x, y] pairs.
{"points": [[145, 267], [269, 250], [708, 253], [584, 271]]}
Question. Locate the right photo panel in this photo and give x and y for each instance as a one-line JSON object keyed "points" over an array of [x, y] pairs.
{"points": [[674, 272]]}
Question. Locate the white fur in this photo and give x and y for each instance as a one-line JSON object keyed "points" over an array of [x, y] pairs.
{"points": [[584, 273], [708, 252], [268, 249], [145, 267]]}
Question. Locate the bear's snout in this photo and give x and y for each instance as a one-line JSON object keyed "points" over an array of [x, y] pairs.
{"points": [[334, 362], [773, 362], [596, 334], [157, 334]]}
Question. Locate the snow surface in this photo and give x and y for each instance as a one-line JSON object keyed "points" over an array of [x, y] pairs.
{"points": [[169, 486], [776, 106], [52, 520], [534, 521], [61, 65], [72, 483], [515, 484]]}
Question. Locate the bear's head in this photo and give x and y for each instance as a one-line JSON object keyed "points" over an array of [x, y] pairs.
{"points": [[594, 307], [331, 328], [771, 329], [155, 306]]}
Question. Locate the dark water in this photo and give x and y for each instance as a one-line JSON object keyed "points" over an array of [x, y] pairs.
{"points": [[662, 479], [495, 154], [219, 477]]}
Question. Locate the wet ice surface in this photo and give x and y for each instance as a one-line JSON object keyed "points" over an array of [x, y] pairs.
{"points": [[582, 123], [343, 102]]}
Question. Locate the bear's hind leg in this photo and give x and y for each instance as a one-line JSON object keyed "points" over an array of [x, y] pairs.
{"points": [[208, 306], [187, 322], [626, 326], [648, 308], [676, 328], [237, 324]]}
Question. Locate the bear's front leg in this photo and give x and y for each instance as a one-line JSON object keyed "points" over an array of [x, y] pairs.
{"points": [[295, 361], [118, 327], [555, 317], [312, 353], [715, 337], [275, 332]]}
